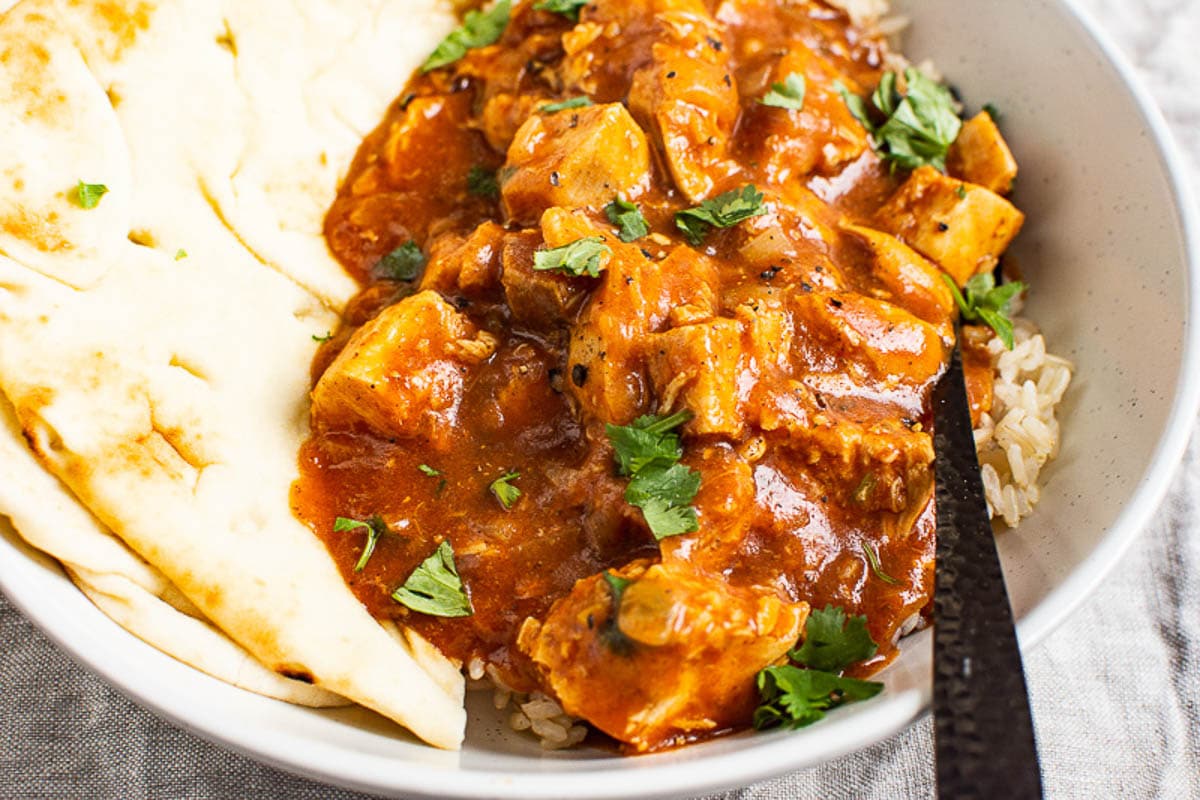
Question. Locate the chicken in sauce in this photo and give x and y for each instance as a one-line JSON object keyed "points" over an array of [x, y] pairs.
{"points": [[658, 224]]}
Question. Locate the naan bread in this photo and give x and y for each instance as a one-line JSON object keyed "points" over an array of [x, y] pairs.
{"points": [[167, 393]]}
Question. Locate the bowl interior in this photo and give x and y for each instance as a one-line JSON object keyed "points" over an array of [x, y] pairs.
{"points": [[1106, 253]]}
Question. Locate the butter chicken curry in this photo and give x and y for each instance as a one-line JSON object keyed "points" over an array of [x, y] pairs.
{"points": [[654, 295]]}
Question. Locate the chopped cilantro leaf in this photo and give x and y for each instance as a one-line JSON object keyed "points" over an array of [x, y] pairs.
{"points": [[402, 264], [789, 94], [428, 470], [648, 451], [646, 440], [865, 487], [666, 520], [581, 257], [993, 112], [982, 299], [568, 8], [575, 102], [180, 253], [323, 339], [611, 634], [505, 492], [88, 195], [479, 29], [876, 569], [481, 182], [794, 697], [723, 211], [435, 588], [628, 218], [374, 527], [832, 642], [918, 127]]}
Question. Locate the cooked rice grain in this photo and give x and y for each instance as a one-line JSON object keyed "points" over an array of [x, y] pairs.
{"points": [[1021, 433]]}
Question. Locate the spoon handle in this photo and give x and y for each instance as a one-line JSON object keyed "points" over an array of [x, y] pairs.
{"points": [[983, 729]]}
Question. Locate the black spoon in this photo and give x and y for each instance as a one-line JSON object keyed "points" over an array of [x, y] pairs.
{"points": [[983, 730]]}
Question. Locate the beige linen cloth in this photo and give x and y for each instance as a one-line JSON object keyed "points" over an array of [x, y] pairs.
{"points": [[1115, 690]]}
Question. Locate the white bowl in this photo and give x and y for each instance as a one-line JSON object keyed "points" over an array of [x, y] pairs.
{"points": [[1110, 251]]}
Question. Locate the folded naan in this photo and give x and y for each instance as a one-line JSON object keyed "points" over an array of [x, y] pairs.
{"points": [[154, 349]]}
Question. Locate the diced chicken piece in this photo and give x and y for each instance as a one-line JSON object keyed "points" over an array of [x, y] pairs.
{"points": [[468, 266], [914, 282], [636, 296], [696, 367], [688, 97], [401, 374], [538, 298], [980, 155], [434, 123], [878, 467], [873, 343], [791, 243], [580, 158], [821, 136], [676, 657], [962, 227]]}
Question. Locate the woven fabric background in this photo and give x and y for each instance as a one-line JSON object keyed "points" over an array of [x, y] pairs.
{"points": [[1116, 689]]}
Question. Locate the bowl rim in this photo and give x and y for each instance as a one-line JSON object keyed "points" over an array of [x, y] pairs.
{"points": [[775, 754]]}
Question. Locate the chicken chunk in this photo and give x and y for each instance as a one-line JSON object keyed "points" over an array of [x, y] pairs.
{"points": [[664, 657], [697, 367], [821, 136], [536, 297], [846, 343], [912, 281], [688, 97], [962, 227], [636, 296], [981, 156], [401, 374], [579, 158], [469, 266]]}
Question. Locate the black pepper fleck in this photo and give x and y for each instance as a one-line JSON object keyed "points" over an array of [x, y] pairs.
{"points": [[943, 227], [554, 179], [579, 375]]}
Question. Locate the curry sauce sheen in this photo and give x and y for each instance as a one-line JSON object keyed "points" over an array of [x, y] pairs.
{"points": [[804, 342]]}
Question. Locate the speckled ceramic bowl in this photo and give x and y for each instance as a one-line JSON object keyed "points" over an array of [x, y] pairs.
{"points": [[1110, 250]]}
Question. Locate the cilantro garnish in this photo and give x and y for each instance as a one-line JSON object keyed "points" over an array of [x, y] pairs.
{"points": [[797, 696], [628, 218], [648, 451], [793, 697], [993, 112], [833, 642], [505, 492], [568, 8], [581, 257], [374, 527], [611, 634], [435, 588], [322, 339], [789, 94], [402, 264], [180, 253], [428, 470], [88, 195], [481, 182], [723, 211], [575, 102], [479, 29], [982, 299], [919, 127], [876, 569]]}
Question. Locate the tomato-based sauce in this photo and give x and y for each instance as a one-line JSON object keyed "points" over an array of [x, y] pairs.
{"points": [[802, 340]]}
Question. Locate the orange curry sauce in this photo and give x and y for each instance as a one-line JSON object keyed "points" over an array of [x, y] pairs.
{"points": [[804, 348]]}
